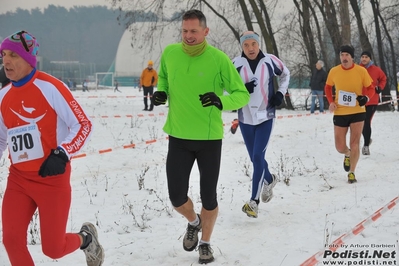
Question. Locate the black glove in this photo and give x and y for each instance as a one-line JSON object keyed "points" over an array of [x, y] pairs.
{"points": [[362, 100], [378, 89], [250, 86], [276, 99], [54, 164], [159, 97], [210, 98]]}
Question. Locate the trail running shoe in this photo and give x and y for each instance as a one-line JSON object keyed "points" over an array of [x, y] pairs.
{"points": [[190, 239], [94, 251], [251, 209], [366, 150], [205, 254], [351, 178], [267, 190], [347, 163], [234, 126]]}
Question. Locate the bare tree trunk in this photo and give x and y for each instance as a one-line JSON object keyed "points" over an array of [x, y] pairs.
{"points": [[323, 49], [345, 21], [329, 14], [247, 17], [393, 81], [306, 31], [385, 97], [374, 5], [364, 39], [386, 94], [390, 25], [269, 27], [265, 34]]}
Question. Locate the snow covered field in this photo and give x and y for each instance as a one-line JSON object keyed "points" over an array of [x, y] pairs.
{"points": [[123, 191]]}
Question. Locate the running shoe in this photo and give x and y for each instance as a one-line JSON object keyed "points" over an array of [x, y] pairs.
{"points": [[190, 240], [267, 190], [347, 163], [351, 178], [251, 209], [205, 254], [94, 252], [366, 150]]}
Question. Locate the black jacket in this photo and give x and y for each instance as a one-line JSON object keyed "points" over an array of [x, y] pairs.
{"points": [[318, 80]]}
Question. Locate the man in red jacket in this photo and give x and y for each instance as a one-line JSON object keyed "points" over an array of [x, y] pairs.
{"points": [[43, 126], [379, 81]]}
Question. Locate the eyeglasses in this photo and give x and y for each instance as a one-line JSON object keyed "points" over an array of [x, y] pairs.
{"points": [[22, 38]]}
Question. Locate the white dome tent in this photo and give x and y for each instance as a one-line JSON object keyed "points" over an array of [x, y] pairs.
{"points": [[141, 44]]}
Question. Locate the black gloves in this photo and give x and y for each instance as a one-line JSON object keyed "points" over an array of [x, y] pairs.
{"points": [[250, 86], [210, 98], [378, 89], [54, 164], [159, 97], [362, 100], [276, 99]]}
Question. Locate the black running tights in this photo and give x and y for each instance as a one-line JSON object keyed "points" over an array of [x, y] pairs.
{"points": [[370, 110], [179, 163]]}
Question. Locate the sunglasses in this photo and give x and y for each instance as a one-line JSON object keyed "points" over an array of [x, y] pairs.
{"points": [[22, 38]]}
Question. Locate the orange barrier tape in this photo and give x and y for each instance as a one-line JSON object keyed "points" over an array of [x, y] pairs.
{"points": [[224, 124], [127, 146], [354, 232], [110, 96], [298, 115], [124, 116]]}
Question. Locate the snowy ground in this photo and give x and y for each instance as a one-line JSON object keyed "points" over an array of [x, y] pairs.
{"points": [[124, 191]]}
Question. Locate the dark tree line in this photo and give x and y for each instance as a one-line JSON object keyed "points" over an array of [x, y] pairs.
{"points": [[86, 34]]}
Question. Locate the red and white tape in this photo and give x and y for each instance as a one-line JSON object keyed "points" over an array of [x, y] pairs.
{"points": [[127, 116], [354, 232], [225, 124], [393, 101], [110, 96], [127, 146]]}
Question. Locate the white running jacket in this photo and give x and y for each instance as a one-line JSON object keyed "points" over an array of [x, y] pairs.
{"points": [[258, 109]]}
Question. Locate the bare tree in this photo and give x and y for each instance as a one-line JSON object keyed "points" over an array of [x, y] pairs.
{"points": [[329, 14], [224, 19], [364, 38], [345, 21], [386, 95], [304, 20], [247, 17], [390, 24], [322, 43], [264, 11]]}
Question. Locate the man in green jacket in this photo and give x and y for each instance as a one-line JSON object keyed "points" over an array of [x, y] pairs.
{"points": [[193, 76]]}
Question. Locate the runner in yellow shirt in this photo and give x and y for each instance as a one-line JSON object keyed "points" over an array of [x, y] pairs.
{"points": [[350, 82]]}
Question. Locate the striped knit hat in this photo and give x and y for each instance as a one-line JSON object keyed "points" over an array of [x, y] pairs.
{"points": [[24, 44]]}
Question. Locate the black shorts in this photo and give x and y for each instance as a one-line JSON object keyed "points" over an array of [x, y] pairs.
{"points": [[346, 120]]}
